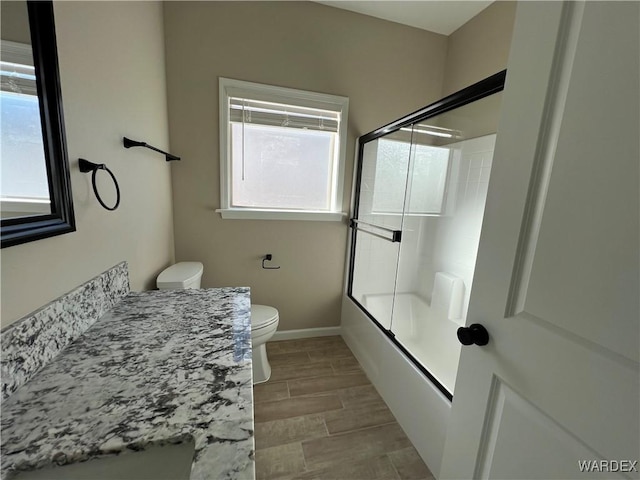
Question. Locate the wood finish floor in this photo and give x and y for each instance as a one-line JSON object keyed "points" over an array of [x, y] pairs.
{"points": [[319, 418]]}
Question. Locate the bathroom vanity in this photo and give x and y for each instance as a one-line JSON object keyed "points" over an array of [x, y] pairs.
{"points": [[160, 376]]}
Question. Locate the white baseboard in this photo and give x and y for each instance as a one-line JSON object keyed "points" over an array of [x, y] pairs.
{"points": [[305, 333]]}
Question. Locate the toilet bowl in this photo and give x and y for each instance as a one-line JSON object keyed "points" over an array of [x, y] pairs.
{"points": [[264, 319], [264, 323]]}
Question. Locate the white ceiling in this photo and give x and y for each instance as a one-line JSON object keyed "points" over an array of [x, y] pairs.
{"points": [[443, 16]]}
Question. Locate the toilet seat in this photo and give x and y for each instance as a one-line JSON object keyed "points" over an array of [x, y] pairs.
{"points": [[262, 316]]}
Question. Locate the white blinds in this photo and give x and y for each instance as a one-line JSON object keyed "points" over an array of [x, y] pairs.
{"points": [[18, 78], [17, 74], [243, 110]]}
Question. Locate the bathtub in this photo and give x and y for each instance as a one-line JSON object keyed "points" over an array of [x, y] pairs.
{"points": [[427, 333], [421, 409]]}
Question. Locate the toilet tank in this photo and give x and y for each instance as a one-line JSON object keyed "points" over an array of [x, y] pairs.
{"points": [[180, 276]]}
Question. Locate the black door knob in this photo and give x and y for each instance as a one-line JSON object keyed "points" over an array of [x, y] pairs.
{"points": [[474, 333]]}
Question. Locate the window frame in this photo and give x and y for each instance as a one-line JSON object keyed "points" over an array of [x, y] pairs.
{"points": [[237, 88]]}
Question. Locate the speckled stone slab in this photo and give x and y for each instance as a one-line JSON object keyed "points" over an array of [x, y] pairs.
{"points": [[160, 367], [30, 343]]}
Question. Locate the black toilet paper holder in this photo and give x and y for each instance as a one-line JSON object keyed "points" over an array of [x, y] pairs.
{"points": [[267, 258]]}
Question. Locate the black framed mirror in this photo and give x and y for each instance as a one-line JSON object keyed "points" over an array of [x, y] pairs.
{"points": [[35, 197]]}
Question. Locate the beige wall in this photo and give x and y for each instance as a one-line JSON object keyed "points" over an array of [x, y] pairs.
{"points": [[386, 70], [113, 84], [480, 47], [113, 81], [14, 22]]}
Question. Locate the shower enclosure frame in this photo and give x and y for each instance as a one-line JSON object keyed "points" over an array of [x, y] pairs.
{"points": [[484, 88]]}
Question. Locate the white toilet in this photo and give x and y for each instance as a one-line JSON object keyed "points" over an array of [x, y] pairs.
{"points": [[264, 319], [264, 323]]}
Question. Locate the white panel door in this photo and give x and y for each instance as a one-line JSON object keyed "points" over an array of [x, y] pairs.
{"points": [[556, 392]]}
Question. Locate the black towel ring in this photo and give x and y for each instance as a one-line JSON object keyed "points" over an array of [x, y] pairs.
{"points": [[87, 166]]}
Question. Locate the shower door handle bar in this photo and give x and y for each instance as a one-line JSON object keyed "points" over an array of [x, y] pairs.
{"points": [[386, 229], [375, 234], [396, 235]]}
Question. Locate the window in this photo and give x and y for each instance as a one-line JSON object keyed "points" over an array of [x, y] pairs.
{"points": [[281, 152], [425, 183]]}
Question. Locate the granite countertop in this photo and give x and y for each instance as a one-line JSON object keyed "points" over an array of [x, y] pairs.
{"points": [[160, 367]]}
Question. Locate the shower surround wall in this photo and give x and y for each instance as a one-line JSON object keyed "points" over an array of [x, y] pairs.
{"points": [[456, 243], [448, 243]]}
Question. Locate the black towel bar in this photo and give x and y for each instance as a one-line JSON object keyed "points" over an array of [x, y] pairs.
{"points": [[128, 143]]}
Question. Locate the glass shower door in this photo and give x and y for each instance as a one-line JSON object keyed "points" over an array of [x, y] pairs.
{"points": [[448, 177], [378, 225], [421, 187]]}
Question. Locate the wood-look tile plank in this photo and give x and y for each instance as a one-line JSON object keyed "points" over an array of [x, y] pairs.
{"points": [[327, 383], [346, 365], [348, 419], [290, 372], [330, 353], [276, 462], [369, 442], [295, 407], [292, 358], [288, 430], [270, 392], [375, 468], [409, 465], [319, 418], [303, 344], [361, 396]]}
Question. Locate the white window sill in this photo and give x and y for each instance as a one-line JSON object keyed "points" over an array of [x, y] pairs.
{"points": [[250, 214]]}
